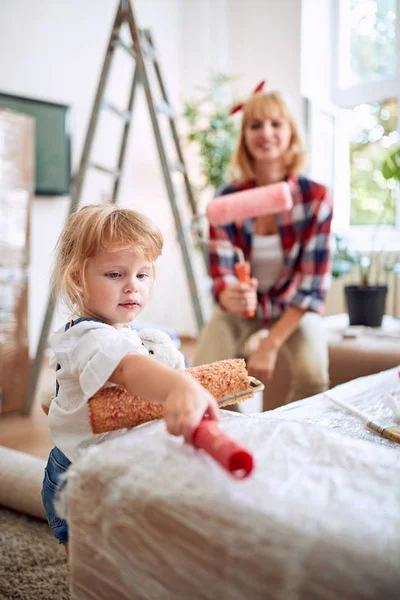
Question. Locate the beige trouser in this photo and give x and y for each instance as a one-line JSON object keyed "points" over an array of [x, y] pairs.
{"points": [[304, 355]]}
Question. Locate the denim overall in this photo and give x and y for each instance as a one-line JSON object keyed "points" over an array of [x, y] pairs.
{"points": [[57, 465]]}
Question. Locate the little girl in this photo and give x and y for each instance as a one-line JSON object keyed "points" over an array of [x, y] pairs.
{"points": [[104, 271]]}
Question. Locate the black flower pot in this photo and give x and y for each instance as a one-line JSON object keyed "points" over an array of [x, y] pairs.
{"points": [[366, 304]]}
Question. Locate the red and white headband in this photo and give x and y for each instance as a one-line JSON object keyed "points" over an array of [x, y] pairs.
{"points": [[239, 107]]}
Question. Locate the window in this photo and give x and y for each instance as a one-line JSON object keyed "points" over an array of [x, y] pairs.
{"points": [[373, 131], [366, 90], [369, 36]]}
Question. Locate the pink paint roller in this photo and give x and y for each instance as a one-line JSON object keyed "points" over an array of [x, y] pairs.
{"points": [[248, 204], [259, 201]]}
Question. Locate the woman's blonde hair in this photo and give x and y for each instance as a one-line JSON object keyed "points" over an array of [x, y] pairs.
{"points": [[267, 106], [93, 228]]}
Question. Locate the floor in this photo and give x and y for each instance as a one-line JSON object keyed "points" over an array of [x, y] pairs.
{"points": [[30, 434]]}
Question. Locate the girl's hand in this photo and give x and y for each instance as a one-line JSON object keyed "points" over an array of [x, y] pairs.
{"points": [[239, 298], [186, 406], [261, 363]]}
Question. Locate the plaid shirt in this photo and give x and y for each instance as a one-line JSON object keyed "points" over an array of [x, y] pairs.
{"points": [[305, 237]]}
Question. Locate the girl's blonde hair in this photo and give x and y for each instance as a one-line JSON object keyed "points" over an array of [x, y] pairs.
{"points": [[262, 106], [93, 228]]}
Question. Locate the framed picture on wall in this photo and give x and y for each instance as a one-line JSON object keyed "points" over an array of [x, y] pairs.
{"points": [[52, 145]]}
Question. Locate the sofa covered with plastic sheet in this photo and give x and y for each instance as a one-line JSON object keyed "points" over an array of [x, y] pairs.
{"points": [[151, 518]]}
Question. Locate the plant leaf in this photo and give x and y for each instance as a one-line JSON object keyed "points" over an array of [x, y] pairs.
{"points": [[391, 166]]}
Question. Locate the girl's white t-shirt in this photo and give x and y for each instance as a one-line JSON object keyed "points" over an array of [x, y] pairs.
{"points": [[88, 353]]}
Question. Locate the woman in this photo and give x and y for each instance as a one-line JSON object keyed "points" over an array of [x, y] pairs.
{"points": [[289, 255]]}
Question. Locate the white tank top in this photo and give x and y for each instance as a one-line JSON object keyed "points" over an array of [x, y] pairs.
{"points": [[267, 260]]}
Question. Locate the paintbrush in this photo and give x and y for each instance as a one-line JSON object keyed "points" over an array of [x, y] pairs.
{"points": [[390, 433]]}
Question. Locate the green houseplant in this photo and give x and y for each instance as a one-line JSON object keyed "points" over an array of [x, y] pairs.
{"points": [[212, 129], [366, 301]]}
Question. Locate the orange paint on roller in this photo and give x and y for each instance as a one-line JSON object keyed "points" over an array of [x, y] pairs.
{"points": [[248, 204], [242, 271]]}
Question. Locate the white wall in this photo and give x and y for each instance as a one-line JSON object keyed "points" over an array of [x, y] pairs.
{"points": [[265, 44], [55, 52], [316, 50], [251, 39]]}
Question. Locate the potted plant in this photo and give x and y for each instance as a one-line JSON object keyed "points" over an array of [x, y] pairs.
{"points": [[366, 301]]}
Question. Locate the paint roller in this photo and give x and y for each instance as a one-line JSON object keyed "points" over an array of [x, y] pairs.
{"points": [[247, 204], [226, 451], [113, 408]]}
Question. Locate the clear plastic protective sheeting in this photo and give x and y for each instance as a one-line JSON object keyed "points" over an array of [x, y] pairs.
{"points": [[151, 518]]}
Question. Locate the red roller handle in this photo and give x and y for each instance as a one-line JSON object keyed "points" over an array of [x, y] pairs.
{"points": [[228, 453], [242, 271]]}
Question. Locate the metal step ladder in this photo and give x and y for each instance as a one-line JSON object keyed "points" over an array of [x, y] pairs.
{"points": [[142, 50]]}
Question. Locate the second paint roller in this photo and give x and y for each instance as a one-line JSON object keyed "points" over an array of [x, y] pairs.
{"points": [[248, 204]]}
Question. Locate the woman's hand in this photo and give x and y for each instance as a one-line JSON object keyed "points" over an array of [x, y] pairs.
{"points": [[261, 363], [185, 407], [239, 298]]}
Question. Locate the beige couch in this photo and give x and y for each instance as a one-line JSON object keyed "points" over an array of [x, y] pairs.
{"points": [[353, 352]]}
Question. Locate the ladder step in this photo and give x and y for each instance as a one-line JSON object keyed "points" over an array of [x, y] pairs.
{"points": [[179, 167], [163, 106], [128, 48], [126, 115], [147, 47], [112, 172]]}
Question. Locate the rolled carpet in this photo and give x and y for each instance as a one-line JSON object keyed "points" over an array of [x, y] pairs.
{"points": [[21, 477]]}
